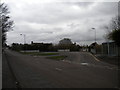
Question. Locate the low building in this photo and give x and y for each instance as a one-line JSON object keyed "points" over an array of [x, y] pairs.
{"points": [[93, 48]]}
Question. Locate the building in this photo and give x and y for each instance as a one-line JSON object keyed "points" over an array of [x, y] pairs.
{"points": [[93, 48], [65, 41]]}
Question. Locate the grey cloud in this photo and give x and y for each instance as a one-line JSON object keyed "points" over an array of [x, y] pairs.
{"points": [[81, 4], [108, 7], [57, 15], [49, 22]]}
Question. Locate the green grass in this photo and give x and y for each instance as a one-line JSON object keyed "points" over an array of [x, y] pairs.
{"points": [[46, 54], [57, 57], [39, 53]]}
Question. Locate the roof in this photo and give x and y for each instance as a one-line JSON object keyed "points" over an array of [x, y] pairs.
{"points": [[93, 44], [108, 42]]}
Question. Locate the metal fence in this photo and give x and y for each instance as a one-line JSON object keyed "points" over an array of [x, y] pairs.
{"points": [[110, 48]]}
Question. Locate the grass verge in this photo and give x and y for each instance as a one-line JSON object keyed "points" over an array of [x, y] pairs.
{"points": [[39, 53], [57, 57]]}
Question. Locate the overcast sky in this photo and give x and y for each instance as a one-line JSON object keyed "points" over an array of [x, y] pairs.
{"points": [[52, 20]]}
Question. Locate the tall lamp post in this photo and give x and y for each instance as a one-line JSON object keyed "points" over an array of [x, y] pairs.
{"points": [[24, 37], [95, 34], [24, 40], [95, 39], [108, 47]]}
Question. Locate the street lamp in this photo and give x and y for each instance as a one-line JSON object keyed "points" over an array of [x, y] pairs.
{"points": [[108, 47], [95, 39], [95, 34], [24, 40]]}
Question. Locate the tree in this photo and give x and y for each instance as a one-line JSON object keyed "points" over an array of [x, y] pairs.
{"points": [[115, 33], [5, 23]]}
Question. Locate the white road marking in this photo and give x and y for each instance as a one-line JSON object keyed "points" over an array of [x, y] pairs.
{"points": [[85, 64], [107, 67], [58, 69], [94, 57], [67, 61], [113, 68]]}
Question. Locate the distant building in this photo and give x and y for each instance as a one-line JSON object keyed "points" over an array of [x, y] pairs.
{"points": [[93, 44], [92, 47], [65, 41], [32, 43]]}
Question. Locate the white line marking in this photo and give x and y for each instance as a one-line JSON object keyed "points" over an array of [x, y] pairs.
{"points": [[94, 57], [84, 64], [67, 61], [58, 69]]}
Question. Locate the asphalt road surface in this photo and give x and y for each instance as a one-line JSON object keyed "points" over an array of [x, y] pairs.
{"points": [[79, 70], [86, 57]]}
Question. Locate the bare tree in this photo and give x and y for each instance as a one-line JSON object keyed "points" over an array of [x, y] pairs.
{"points": [[5, 23], [115, 23], [115, 30]]}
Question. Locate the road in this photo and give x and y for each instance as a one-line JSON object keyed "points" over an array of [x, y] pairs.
{"points": [[39, 72], [86, 57]]}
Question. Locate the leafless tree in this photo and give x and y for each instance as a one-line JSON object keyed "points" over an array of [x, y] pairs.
{"points": [[5, 23]]}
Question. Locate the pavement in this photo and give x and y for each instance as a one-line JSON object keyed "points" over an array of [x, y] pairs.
{"points": [[115, 60], [0, 68], [8, 80], [79, 70]]}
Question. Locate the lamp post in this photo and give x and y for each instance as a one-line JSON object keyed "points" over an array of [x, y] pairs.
{"points": [[95, 34], [95, 39], [24, 40], [108, 47]]}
